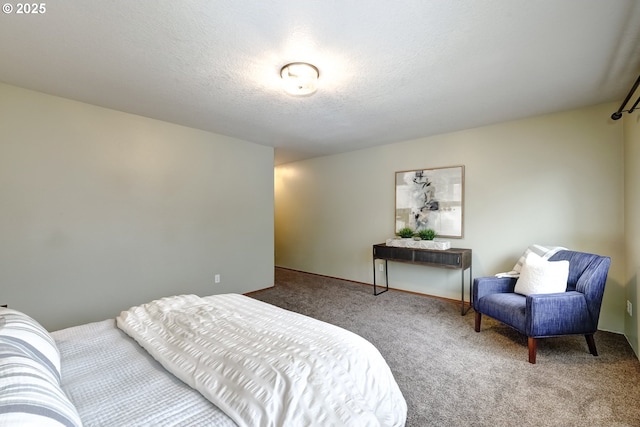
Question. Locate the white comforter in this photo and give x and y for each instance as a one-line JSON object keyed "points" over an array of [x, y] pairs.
{"points": [[265, 366]]}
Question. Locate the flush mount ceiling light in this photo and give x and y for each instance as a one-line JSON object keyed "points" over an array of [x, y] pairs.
{"points": [[299, 78]]}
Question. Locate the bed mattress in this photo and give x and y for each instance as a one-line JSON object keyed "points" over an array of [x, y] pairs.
{"points": [[137, 392]]}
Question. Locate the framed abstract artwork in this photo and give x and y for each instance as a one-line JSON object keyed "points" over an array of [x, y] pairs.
{"points": [[431, 199]]}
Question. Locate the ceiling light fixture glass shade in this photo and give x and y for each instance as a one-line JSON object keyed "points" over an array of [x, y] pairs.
{"points": [[299, 78]]}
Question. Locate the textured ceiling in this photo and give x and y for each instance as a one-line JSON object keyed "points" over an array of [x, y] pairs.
{"points": [[389, 71]]}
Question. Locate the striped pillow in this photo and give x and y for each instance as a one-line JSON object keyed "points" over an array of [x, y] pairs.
{"points": [[30, 396], [545, 252], [19, 331], [30, 392]]}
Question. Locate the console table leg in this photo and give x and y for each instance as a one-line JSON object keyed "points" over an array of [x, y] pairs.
{"points": [[470, 286], [462, 310], [386, 277], [462, 313], [374, 276]]}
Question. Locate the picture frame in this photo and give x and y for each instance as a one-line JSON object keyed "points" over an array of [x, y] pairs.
{"points": [[431, 198]]}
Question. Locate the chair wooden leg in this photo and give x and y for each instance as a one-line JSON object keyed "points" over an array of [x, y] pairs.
{"points": [[478, 320], [592, 344], [532, 350]]}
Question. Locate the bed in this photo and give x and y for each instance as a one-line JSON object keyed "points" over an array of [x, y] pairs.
{"points": [[222, 360]]}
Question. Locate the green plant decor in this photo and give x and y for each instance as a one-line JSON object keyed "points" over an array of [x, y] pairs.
{"points": [[427, 234], [405, 232]]}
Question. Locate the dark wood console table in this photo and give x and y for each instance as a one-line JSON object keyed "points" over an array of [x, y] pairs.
{"points": [[454, 258]]}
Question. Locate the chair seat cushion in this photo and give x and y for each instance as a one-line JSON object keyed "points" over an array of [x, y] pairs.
{"points": [[508, 308]]}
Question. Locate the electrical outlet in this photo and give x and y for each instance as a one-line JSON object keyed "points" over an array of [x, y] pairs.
{"points": [[217, 278], [629, 308], [381, 267]]}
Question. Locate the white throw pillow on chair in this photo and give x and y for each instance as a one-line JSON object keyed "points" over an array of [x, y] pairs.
{"points": [[539, 276]]}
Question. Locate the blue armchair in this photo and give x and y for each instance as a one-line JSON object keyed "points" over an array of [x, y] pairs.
{"points": [[574, 312]]}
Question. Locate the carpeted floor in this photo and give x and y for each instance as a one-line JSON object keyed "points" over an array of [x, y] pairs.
{"points": [[452, 376]]}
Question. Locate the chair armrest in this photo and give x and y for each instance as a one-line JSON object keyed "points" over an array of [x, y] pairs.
{"points": [[483, 286], [561, 313]]}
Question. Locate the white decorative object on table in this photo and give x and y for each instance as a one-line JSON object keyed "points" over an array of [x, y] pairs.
{"points": [[441, 245]]}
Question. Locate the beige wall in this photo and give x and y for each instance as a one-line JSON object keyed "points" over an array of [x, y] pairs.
{"points": [[555, 179], [632, 224], [102, 210]]}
